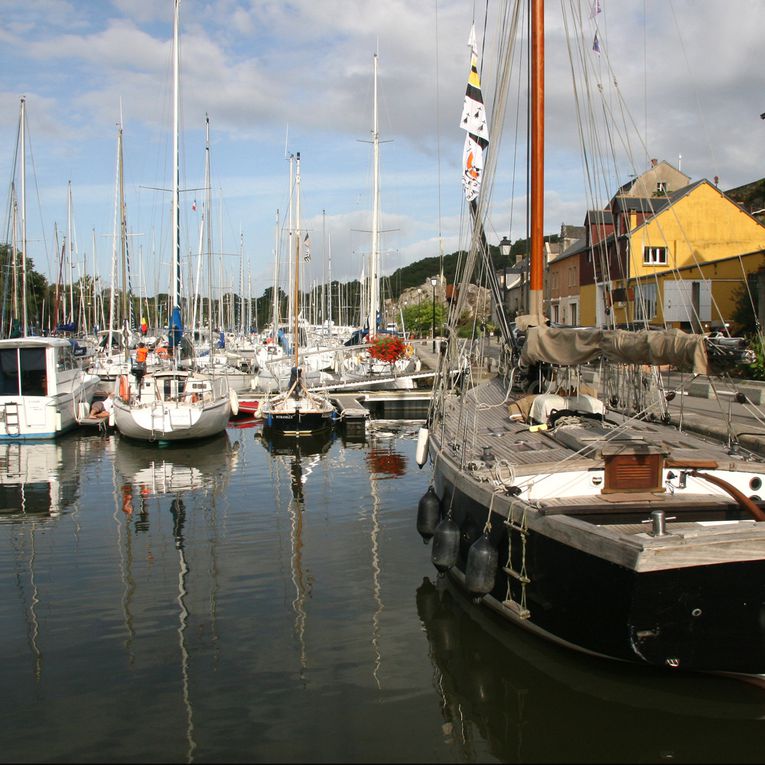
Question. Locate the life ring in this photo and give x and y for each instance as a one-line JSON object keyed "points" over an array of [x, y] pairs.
{"points": [[234, 399], [161, 352], [124, 388]]}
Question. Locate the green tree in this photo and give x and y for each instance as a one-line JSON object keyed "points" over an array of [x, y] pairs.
{"points": [[418, 318]]}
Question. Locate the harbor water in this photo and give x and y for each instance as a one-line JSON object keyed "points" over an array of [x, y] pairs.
{"points": [[244, 600]]}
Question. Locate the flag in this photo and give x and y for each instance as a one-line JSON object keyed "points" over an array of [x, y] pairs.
{"points": [[473, 122], [307, 248], [596, 44], [194, 205], [595, 9]]}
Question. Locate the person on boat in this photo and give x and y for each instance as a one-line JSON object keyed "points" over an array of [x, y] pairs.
{"points": [[140, 355], [102, 409]]}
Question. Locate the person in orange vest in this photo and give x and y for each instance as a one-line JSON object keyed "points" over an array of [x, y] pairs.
{"points": [[141, 353], [139, 367]]}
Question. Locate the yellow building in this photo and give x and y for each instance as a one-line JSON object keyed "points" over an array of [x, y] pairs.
{"points": [[679, 262]]}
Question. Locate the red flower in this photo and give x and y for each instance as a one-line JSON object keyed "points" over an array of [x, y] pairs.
{"points": [[388, 348]]}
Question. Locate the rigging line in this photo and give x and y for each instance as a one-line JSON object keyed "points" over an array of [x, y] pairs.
{"points": [[699, 112], [641, 298], [438, 153]]}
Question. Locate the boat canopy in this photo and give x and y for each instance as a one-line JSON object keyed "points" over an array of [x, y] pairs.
{"points": [[568, 346]]}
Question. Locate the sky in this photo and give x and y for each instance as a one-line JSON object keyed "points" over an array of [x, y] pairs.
{"points": [[277, 78]]}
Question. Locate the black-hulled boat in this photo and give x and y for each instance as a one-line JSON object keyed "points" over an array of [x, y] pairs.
{"points": [[592, 520]]}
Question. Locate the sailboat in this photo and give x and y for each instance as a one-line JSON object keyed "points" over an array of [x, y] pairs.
{"points": [[297, 411], [373, 358], [177, 403], [112, 355], [603, 529]]}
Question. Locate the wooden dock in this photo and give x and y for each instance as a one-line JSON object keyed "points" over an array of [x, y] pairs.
{"points": [[352, 414]]}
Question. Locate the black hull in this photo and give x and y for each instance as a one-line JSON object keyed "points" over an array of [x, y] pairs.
{"points": [[707, 618], [299, 423]]}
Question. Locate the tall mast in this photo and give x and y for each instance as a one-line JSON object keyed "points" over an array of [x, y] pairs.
{"points": [[207, 220], [329, 280], [374, 257], [275, 296], [70, 265], [296, 280], [123, 232], [290, 236], [536, 302], [176, 275], [22, 122]]}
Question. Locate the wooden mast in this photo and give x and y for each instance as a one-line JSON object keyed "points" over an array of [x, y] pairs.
{"points": [[536, 288]]}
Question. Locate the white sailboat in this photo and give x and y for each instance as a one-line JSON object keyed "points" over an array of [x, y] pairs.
{"points": [[174, 404], [359, 365]]}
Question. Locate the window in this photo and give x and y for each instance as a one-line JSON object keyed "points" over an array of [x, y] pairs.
{"points": [[661, 188], [645, 304], [654, 256]]}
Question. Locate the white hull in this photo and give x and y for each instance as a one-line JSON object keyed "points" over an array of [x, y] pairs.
{"points": [[171, 420], [172, 405], [50, 396]]}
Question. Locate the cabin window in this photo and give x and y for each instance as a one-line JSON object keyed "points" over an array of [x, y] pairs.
{"points": [[32, 379], [65, 359], [654, 256], [9, 372]]}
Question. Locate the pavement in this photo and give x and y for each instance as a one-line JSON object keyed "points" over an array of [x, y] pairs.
{"points": [[708, 406]]}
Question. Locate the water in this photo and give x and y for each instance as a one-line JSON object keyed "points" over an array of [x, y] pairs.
{"points": [[244, 601]]}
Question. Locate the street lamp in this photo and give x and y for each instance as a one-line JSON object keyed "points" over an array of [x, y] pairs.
{"points": [[504, 247], [433, 282]]}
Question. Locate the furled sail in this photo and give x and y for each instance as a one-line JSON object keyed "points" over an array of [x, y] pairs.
{"points": [[570, 346]]}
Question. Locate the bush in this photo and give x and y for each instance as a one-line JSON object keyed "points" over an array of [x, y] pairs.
{"points": [[757, 370]]}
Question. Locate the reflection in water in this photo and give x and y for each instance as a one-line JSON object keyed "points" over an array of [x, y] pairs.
{"points": [[39, 482], [147, 473], [178, 511], [262, 595], [530, 701], [295, 451]]}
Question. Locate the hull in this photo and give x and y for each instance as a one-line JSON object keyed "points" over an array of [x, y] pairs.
{"points": [[297, 423], [610, 547], [43, 391], [171, 420], [706, 618]]}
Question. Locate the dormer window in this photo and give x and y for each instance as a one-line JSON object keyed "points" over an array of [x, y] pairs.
{"points": [[661, 187], [654, 256]]}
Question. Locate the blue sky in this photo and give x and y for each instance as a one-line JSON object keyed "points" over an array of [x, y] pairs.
{"points": [[297, 76]]}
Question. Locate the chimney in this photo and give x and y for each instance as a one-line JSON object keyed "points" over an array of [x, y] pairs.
{"points": [[654, 162]]}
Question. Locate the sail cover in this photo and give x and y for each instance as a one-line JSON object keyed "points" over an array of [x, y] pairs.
{"points": [[474, 123], [175, 328], [570, 346]]}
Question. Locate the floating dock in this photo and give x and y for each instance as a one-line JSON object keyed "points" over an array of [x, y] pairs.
{"points": [[352, 414]]}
